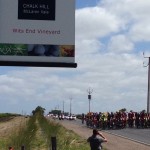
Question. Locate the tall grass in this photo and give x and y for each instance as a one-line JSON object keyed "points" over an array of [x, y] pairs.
{"points": [[70, 141], [48, 129], [66, 139], [24, 135], [37, 132]]}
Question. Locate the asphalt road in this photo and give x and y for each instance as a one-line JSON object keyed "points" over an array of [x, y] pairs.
{"points": [[137, 135]]}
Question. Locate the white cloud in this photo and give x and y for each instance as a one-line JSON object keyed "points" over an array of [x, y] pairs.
{"points": [[140, 31], [95, 22], [134, 16], [113, 78], [120, 43], [87, 46]]}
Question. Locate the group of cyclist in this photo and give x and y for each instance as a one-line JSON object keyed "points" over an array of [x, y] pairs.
{"points": [[117, 120]]}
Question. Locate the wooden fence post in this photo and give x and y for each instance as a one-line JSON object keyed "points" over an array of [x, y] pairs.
{"points": [[22, 147], [53, 141]]}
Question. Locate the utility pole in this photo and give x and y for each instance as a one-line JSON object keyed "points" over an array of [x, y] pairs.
{"points": [[63, 107], [70, 105], [89, 90], [148, 91]]}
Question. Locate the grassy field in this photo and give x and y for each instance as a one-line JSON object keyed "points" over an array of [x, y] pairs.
{"points": [[7, 115], [36, 134], [2, 115]]}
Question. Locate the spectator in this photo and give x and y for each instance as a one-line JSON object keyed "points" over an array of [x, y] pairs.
{"points": [[96, 140]]}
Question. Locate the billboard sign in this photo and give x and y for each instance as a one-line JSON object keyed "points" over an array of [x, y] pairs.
{"points": [[37, 32]]}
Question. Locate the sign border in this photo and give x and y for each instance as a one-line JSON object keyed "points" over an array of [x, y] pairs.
{"points": [[38, 64]]}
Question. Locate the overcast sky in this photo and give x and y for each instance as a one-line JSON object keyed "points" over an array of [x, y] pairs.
{"points": [[111, 36]]}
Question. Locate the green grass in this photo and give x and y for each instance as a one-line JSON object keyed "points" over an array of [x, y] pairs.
{"points": [[37, 132], [66, 139], [25, 135], [70, 141], [7, 115]]}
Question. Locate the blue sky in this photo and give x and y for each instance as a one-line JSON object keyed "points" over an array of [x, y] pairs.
{"points": [[85, 3], [110, 39]]}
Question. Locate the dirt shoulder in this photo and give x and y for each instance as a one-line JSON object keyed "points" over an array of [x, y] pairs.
{"points": [[114, 142]]}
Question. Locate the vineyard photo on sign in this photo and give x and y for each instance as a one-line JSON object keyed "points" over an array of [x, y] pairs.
{"points": [[37, 31]]}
